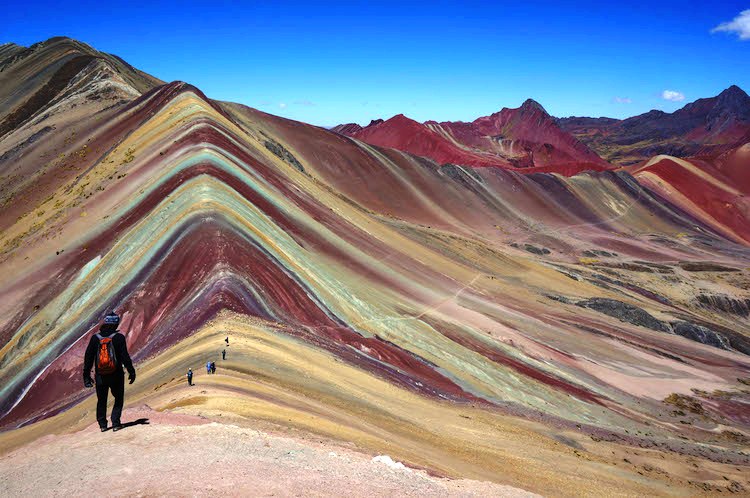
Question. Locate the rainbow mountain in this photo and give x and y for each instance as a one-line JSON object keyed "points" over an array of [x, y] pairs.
{"points": [[479, 322]]}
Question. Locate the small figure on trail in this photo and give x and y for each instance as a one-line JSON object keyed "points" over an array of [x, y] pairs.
{"points": [[107, 352], [227, 340], [190, 376], [224, 354], [208, 367], [213, 367]]}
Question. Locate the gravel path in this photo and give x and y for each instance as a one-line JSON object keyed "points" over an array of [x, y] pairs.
{"points": [[184, 456]]}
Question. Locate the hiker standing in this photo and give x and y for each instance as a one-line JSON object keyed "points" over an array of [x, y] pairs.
{"points": [[213, 367], [190, 376], [227, 340], [107, 352], [208, 367], [224, 354]]}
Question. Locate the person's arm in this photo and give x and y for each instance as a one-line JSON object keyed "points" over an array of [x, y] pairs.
{"points": [[125, 357], [88, 361]]}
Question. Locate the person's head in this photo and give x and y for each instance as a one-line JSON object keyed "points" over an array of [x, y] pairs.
{"points": [[111, 321]]}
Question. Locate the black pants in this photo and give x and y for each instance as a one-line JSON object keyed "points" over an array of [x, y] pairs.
{"points": [[104, 383]]}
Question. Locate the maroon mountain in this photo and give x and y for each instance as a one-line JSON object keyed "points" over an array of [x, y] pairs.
{"points": [[527, 139], [705, 126]]}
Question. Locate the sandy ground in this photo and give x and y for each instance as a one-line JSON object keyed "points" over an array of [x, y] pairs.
{"points": [[180, 455]]}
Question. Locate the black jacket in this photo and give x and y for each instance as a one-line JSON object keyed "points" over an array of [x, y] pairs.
{"points": [[121, 351]]}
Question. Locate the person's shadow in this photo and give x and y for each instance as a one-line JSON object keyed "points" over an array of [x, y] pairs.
{"points": [[140, 421]]}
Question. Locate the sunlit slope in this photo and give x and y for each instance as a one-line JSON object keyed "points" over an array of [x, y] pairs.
{"points": [[365, 291], [207, 213], [32, 77], [276, 379], [703, 191]]}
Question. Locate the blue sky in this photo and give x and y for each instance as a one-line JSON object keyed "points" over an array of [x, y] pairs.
{"points": [[332, 62]]}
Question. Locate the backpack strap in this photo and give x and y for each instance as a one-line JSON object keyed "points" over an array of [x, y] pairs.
{"points": [[111, 337]]}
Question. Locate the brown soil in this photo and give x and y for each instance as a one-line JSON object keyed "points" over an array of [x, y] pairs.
{"points": [[181, 455]]}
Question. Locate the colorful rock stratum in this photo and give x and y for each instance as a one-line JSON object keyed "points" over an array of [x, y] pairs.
{"points": [[567, 335]]}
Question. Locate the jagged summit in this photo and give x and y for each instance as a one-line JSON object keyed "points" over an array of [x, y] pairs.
{"points": [[702, 126], [525, 139], [533, 105], [46, 68], [347, 128], [733, 101], [734, 90], [705, 126]]}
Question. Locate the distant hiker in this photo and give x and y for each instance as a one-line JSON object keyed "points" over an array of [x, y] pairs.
{"points": [[107, 352], [224, 354], [190, 376], [208, 367], [227, 340], [213, 367]]}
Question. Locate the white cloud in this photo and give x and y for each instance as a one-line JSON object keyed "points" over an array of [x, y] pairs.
{"points": [[739, 25], [282, 105], [672, 96], [622, 100]]}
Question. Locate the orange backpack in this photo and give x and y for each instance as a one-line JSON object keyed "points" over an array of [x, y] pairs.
{"points": [[106, 362]]}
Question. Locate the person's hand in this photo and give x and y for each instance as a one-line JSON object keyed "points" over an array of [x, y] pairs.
{"points": [[87, 382], [131, 378]]}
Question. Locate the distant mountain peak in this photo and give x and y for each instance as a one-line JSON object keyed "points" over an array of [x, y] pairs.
{"points": [[54, 39], [730, 107], [735, 97], [532, 105], [397, 120], [703, 125], [734, 90], [346, 128]]}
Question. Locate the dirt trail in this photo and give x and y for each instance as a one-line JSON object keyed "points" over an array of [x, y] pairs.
{"points": [[181, 455]]}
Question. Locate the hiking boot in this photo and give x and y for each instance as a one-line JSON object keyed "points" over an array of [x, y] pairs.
{"points": [[116, 427], [103, 427]]}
